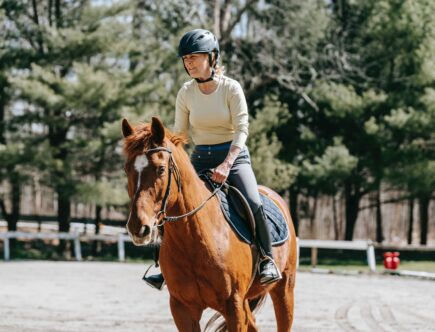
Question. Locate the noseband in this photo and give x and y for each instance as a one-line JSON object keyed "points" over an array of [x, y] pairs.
{"points": [[173, 169]]}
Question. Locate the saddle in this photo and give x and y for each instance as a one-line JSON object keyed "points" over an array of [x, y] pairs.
{"points": [[239, 215]]}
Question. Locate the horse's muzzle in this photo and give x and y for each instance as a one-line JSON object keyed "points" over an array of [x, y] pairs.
{"points": [[143, 237]]}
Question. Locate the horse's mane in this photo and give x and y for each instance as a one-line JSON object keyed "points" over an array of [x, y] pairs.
{"points": [[139, 140]]}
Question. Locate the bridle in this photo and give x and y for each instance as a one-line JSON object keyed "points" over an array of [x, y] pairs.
{"points": [[162, 218]]}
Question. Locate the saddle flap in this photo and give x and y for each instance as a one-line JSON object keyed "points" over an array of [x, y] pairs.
{"points": [[237, 212], [241, 206]]}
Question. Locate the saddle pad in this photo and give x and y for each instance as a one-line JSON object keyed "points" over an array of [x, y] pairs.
{"points": [[275, 220]]}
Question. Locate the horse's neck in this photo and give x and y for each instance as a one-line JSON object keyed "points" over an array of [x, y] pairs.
{"points": [[200, 224]]}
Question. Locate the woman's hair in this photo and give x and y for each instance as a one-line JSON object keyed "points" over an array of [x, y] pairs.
{"points": [[219, 70]]}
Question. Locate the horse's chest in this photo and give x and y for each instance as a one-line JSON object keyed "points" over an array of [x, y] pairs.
{"points": [[198, 279]]}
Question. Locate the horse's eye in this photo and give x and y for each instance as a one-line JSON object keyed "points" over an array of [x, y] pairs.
{"points": [[160, 170]]}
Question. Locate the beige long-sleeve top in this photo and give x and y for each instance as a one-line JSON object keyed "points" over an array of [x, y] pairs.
{"points": [[219, 117]]}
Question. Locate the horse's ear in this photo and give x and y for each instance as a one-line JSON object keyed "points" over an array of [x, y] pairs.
{"points": [[127, 129], [157, 130]]}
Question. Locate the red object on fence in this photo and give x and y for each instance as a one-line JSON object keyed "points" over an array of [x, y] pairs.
{"points": [[391, 260]]}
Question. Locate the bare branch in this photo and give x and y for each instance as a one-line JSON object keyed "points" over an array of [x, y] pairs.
{"points": [[217, 19], [241, 11], [225, 15]]}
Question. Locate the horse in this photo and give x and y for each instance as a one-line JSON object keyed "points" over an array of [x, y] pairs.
{"points": [[204, 263]]}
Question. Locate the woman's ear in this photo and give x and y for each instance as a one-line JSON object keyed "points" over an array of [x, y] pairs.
{"points": [[157, 130], [127, 129]]}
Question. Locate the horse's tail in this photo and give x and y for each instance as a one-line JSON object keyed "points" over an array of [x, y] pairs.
{"points": [[254, 305], [257, 303]]}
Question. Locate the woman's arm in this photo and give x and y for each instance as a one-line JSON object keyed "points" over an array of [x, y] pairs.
{"points": [[223, 170], [181, 123], [240, 120]]}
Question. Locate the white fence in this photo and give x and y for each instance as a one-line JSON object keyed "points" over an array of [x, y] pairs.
{"points": [[75, 237], [122, 238], [367, 246]]}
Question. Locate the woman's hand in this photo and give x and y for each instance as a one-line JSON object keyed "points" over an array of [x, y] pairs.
{"points": [[221, 172]]}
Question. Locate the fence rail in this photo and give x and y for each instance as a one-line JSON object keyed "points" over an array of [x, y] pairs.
{"points": [[75, 237], [122, 238], [401, 247], [367, 246]]}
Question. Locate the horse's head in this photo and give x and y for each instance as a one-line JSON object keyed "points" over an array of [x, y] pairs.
{"points": [[149, 167]]}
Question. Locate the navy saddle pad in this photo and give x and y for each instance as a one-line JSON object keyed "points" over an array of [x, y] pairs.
{"points": [[275, 220]]}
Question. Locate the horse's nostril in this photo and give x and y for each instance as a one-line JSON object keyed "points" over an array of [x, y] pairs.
{"points": [[145, 230]]}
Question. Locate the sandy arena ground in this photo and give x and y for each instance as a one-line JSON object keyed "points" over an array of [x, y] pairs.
{"points": [[110, 297]]}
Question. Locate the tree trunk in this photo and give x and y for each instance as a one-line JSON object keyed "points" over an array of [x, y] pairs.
{"points": [[16, 200], [217, 19], [50, 14], [379, 231], [2, 109], [335, 218], [352, 200], [63, 214], [424, 201], [313, 229], [294, 209], [13, 217], [96, 246], [410, 219], [57, 13], [57, 139]]}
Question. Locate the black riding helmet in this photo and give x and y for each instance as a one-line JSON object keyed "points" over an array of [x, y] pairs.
{"points": [[200, 41]]}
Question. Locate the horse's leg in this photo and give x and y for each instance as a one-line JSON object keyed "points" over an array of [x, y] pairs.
{"points": [[236, 315], [283, 300], [186, 318]]}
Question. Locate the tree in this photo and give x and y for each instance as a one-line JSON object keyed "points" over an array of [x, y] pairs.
{"points": [[398, 55], [265, 147], [69, 42]]}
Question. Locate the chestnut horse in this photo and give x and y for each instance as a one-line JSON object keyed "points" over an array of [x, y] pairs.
{"points": [[204, 263]]}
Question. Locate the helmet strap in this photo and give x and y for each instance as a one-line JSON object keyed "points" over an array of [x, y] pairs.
{"points": [[213, 72], [208, 79]]}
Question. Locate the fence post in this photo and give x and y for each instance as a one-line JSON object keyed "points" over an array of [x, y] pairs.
{"points": [[371, 256], [314, 257], [6, 250], [77, 247], [121, 248]]}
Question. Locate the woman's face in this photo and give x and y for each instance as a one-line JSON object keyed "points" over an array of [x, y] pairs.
{"points": [[197, 65]]}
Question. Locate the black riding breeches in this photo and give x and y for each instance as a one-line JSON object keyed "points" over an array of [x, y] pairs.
{"points": [[241, 176]]}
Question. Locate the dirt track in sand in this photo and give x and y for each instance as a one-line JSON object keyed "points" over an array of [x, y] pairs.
{"points": [[96, 297]]}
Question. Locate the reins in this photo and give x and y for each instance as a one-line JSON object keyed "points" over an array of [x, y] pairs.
{"points": [[172, 166]]}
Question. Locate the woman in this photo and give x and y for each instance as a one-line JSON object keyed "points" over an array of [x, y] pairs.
{"points": [[214, 107]]}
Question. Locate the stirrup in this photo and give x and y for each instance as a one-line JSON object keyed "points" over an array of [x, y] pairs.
{"points": [[266, 281], [154, 281]]}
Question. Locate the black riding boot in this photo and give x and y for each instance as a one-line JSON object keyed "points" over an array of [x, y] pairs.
{"points": [[267, 269], [156, 281]]}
